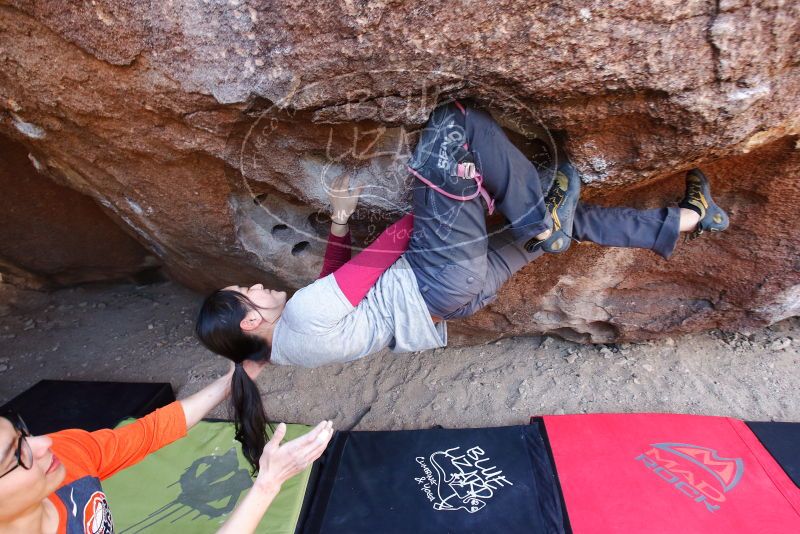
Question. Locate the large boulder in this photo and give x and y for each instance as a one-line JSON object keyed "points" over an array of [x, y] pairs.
{"points": [[211, 128], [51, 235]]}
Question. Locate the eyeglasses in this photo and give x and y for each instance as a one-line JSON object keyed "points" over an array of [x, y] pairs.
{"points": [[23, 455]]}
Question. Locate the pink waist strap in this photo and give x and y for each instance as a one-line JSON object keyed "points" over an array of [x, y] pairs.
{"points": [[465, 171]]}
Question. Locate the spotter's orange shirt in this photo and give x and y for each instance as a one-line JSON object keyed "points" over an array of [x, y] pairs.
{"points": [[90, 457]]}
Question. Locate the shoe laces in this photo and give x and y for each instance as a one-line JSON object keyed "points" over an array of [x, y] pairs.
{"points": [[553, 201], [693, 235], [694, 189]]}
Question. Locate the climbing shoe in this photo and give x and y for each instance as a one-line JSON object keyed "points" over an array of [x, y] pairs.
{"points": [[561, 201], [698, 199]]}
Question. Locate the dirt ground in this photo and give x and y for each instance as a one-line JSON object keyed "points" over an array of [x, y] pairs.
{"points": [[126, 332]]}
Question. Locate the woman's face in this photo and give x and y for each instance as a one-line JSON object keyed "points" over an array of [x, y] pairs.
{"points": [[265, 299], [22, 489]]}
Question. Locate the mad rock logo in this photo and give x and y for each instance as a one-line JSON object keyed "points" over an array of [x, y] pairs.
{"points": [[460, 481], [699, 473]]}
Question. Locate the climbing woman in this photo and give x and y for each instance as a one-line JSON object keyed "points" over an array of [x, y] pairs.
{"points": [[434, 264]]}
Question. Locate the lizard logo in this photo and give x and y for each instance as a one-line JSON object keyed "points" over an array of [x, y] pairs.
{"points": [[460, 481]]}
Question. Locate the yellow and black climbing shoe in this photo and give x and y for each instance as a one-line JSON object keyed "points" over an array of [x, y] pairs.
{"points": [[698, 199], [561, 201]]}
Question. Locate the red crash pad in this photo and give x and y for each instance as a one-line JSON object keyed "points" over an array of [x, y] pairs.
{"points": [[665, 473]]}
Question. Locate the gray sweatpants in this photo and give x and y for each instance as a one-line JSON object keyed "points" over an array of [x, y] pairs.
{"points": [[459, 268]]}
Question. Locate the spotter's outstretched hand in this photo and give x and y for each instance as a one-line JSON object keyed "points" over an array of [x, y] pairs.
{"points": [[279, 463]]}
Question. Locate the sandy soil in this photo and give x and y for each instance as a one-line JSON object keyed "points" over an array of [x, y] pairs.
{"points": [[144, 333]]}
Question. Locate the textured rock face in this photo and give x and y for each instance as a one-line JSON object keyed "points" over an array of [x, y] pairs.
{"points": [[747, 275], [51, 235], [210, 128]]}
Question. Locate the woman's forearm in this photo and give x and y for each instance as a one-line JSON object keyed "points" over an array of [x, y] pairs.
{"points": [[337, 251], [196, 406], [356, 277], [277, 464], [247, 515]]}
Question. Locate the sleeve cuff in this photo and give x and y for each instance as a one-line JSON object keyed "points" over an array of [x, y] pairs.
{"points": [[174, 412], [668, 235]]}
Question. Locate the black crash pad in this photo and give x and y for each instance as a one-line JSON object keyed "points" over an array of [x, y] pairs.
{"points": [[782, 440], [53, 405], [439, 480]]}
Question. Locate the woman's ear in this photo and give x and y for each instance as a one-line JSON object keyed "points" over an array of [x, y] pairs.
{"points": [[251, 321]]}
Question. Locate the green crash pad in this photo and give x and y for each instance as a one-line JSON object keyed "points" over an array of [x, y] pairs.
{"points": [[192, 485]]}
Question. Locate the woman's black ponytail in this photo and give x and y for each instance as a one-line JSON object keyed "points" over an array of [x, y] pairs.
{"points": [[218, 328], [249, 418]]}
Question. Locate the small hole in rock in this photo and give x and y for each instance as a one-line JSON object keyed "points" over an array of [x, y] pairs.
{"points": [[279, 228], [320, 222], [319, 217], [300, 248], [258, 199]]}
